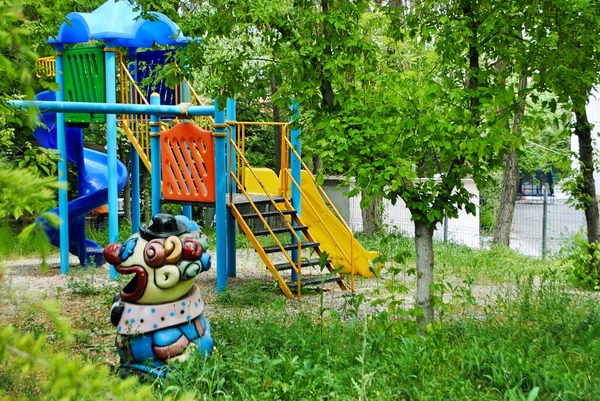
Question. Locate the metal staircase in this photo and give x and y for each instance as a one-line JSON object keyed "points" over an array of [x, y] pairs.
{"points": [[301, 242], [285, 220]]}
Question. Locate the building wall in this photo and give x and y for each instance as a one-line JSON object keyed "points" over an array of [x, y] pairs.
{"points": [[593, 112]]}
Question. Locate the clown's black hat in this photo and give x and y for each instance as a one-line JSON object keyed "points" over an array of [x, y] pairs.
{"points": [[162, 226]]}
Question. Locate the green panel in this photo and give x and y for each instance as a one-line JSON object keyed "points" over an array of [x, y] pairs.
{"points": [[84, 80]]}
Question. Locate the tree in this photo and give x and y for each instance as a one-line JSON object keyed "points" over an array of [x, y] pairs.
{"points": [[567, 56], [510, 177], [460, 128]]}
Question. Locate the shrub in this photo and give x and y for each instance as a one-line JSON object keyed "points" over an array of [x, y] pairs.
{"points": [[583, 257]]}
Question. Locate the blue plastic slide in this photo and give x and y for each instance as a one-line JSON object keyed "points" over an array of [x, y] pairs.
{"points": [[92, 172]]}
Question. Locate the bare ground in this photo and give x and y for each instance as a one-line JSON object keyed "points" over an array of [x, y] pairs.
{"points": [[25, 281]]}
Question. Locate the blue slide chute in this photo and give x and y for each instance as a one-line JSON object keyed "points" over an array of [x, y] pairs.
{"points": [[92, 172]]}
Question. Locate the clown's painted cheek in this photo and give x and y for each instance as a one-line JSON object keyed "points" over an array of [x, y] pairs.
{"points": [[128, 248], [166, 276]]}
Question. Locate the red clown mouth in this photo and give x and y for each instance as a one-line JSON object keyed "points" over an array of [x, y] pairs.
{"points": [[136, 287]]}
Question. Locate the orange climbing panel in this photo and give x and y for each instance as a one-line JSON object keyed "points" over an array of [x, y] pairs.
{"points": [[188, 164]]}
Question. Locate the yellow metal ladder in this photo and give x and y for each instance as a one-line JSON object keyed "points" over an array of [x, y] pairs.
{"points": [[282, 212]]}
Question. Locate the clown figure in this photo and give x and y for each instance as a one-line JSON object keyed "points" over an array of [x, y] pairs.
{"points": [[159, 313]]}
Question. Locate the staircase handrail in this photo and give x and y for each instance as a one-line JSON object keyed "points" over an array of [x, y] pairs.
{"points": [[273, 203], [321, 190], [333, 237], [129, 88], [241, 139], [296, 266], [45, 66], [331, 204]]}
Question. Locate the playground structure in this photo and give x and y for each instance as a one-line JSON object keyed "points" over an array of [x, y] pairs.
{"points": [[195, 154]]}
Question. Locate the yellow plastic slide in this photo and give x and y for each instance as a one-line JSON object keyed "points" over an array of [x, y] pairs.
{"points": [[323, 225]]}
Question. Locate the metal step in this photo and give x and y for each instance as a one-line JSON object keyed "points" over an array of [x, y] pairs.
{"points": [[241, 200], [288, 266], [268, 214], [279, 230], [315, 281], [291, 247]]}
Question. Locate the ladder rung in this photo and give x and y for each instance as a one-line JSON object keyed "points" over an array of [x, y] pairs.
{"points": [[268, 214], [291, 247], [279, 230], [288, 266], [262, 200]]}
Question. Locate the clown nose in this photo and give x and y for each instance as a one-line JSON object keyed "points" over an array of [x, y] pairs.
{"points": [[111, 253]]}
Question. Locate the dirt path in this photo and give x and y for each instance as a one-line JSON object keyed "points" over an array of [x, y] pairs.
{"points": [[24, 281]]}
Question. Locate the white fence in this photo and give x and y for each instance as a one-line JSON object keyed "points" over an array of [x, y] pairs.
{"points": [[536, 230], [462, 230]]}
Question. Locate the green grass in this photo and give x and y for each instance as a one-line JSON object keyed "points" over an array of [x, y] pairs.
{"points": [[540, 340], [252, 294], [498, 264], [101, 235], [14, 247], [87, 281]]}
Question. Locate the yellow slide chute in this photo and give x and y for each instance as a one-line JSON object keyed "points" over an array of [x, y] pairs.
{"points": [[324, 226]]}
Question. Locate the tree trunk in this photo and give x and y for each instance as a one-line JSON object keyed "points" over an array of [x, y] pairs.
{"points": [[510, 180], [424, 248], [473, 71], [583, 130], [317, 164], [127, 201], [372, 216], [326, 87], [507, 200]]}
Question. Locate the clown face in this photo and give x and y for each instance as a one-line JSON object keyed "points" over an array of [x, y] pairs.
{"points": [[163, 268]]}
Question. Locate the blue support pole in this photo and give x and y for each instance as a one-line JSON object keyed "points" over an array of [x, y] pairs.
{"points": [[185, 97], [220, 197], [231, 224], [134, 163], [155, 155], [134, 168], [111, 150], [117, 108], [296, 167], [63, 199], [187, 211]]}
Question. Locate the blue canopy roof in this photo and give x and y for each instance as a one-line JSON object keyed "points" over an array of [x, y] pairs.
{"points": [[118, 22]]}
